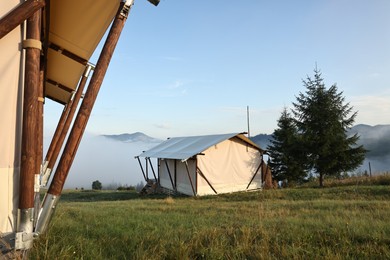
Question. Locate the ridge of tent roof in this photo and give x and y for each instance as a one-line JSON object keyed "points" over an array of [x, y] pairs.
{"points": [[183, 148]]}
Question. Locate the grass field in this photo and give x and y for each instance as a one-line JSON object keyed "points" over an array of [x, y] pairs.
{"points": [[342, 222]]}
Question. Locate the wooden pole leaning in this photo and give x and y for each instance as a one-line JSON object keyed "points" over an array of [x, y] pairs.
{"points": [[18, 15], [63, 127], [30, 132], [57, 184], [57, 132]]}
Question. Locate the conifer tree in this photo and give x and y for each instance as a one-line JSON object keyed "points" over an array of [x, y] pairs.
{"points": [[285, 151], [323, 119]]}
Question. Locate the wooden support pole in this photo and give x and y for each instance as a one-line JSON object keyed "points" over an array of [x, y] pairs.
{"points": [[189, 177], [142, 168], [30, 148], [151, 166], [56, 135], [30, 129], [82, 117], [52, 196], [254, 175], [64, 125], [22, 12], [204, 177], [170, 176]]}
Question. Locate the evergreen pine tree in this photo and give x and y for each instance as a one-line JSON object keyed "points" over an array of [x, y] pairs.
{"points": [[286, 161], [322, 118]]}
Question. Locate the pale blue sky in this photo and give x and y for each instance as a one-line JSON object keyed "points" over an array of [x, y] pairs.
{"points": [[192, 67]]}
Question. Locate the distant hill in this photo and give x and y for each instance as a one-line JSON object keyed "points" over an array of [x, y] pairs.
{"points": [[376, 139], [134, 137], [262, 140]]}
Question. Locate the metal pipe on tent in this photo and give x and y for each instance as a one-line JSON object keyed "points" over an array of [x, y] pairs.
{"points": [[146, 169], [170, 176], [142, 168], [18, 15], [151, 167], [58, 140], [30, 130], [52, 196], [37, 187], [189, 177]]}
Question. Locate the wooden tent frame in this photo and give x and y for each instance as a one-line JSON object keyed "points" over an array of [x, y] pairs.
{"points": [[34, 216]]}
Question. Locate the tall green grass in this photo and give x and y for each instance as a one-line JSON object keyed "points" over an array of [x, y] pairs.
{"points": [[350, 222]]}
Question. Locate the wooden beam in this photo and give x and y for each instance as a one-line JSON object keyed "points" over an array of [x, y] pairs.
{"points": [[170, 176], [254, 175], [57, 132], [59, 85], [68, 54], [84, 112], [189, 177], [151, 166], [142, 168], [63, 127], [18, 15], [69, 118], [31, 117], [204, 177]]}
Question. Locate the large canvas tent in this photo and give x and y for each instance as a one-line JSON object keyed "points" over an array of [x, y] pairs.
{"points": [[45, 48], [210, 164]]}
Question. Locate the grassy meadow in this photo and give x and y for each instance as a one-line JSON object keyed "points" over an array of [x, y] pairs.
{"points": [[351, 221]]}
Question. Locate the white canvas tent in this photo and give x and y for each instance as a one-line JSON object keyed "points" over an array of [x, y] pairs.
{"points": [[205, 165]]}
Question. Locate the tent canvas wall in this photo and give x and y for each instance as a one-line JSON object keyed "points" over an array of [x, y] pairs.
{"points": [[11, 82], [212, 164]]}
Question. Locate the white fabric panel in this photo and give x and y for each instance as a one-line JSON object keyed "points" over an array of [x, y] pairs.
{"points": [[76, 26], [9, 198], [182, 180], [165, 181], [11, 82], [229, 167]]}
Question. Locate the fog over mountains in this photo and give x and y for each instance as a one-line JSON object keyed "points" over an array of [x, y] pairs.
{"points": [[110, 158]]}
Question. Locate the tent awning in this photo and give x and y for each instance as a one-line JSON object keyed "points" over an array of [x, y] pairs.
{"points": [[183, 148], [75, 29]]}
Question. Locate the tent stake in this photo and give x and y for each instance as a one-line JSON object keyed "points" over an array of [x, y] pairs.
{"points": [[83, 114]]}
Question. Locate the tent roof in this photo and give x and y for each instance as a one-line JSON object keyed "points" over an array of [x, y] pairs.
{"points": [[183, 148], [73, 29]]}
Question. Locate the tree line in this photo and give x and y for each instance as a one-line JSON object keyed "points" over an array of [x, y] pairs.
{"points": [[312, 138]]}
